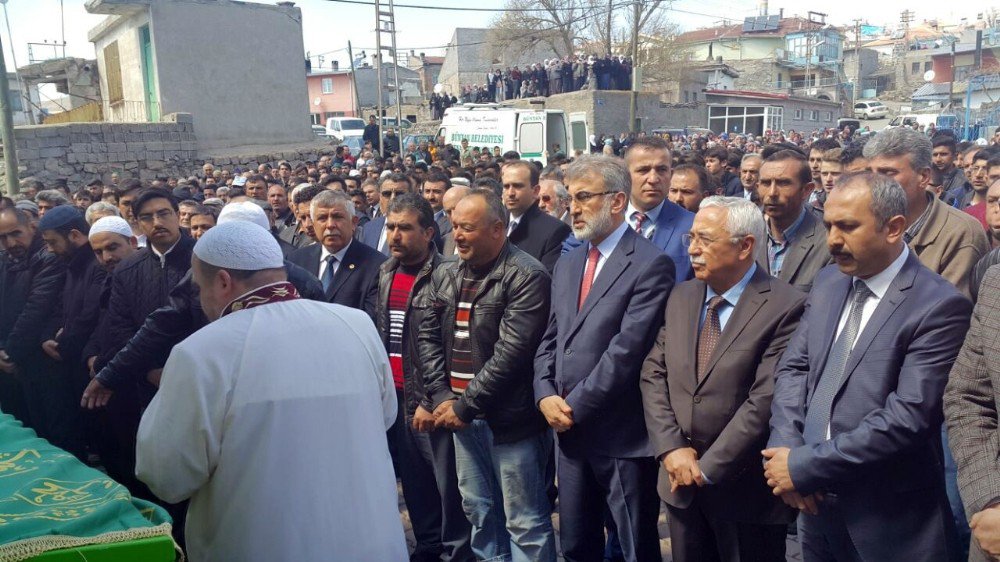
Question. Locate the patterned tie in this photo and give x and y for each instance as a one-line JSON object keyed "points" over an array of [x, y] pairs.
{"points": [[588, 275], [818, 416], [640, 219], [328, 272], [511, 227], [711, 331]]}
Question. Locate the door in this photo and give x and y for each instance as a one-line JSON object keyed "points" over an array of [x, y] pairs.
{"points": [[531, 138], [579, 137], [148, 75]]}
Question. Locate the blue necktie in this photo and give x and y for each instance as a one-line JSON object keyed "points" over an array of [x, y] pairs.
{"points": [[328, 273], [820, 408]]}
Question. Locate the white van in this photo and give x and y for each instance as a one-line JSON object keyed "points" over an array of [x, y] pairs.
{"points": [[342, 127], [534, 134]]}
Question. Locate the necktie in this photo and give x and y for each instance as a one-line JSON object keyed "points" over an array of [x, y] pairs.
{"points": [[640, 218], [510, 229], [588, 274], [711, 331], [328, 272], [818, 416]]}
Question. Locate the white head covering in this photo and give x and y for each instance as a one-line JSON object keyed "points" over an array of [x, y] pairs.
{"points": [[239, 244], [247, 211], [117, 225]]}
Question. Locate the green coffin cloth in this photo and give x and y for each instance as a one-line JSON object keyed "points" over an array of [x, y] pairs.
{"points": [[49, 500]]}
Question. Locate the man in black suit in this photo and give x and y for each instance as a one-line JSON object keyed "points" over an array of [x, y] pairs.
{"points": [[531, 229], [347, 268]]}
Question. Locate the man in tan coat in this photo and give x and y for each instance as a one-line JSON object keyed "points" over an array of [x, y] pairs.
{"points": [[946, 240]]}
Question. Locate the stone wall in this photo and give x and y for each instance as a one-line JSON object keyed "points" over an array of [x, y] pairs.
{"points": [[81, 152]]}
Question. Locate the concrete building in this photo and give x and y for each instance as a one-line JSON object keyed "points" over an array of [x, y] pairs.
{"points": [[237, 67], [331, 94], [429, 70], [794, 56], [745, 112], [25, 103], [472, 53]]}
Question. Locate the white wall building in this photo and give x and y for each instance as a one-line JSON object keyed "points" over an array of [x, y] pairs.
{"points": [[237, 67]]}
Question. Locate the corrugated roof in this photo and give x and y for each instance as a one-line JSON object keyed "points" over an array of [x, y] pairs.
{"points": [[786, 26]]}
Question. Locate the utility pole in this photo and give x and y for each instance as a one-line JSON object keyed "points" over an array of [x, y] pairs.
{"points": [[385, 22], [808, 59], [395, 72], [355, 96], [7, 130], [951, 83], [378, 70], [610, 15], [857, 69], [634, 98]]}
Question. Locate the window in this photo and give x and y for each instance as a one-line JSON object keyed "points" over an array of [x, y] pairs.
{"points": [[327, 85], [330, 114], [687, 96], [531, 139], [814, 115], [828, 116], [798, 114], [694, 96], [317, 119], [113, 73], [928, 66], [14, 99], [778, 83], [915, 68], [738, 119]]}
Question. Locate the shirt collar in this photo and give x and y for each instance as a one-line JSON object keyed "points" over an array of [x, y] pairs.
{"points": [[789, 233], [879, 283], [651, 215], [609, 244], [324, 253], [732, 296], [163, 256], [914, 229]]}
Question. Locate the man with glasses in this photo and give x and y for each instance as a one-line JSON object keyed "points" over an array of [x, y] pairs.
{"points": [[586, 377]]}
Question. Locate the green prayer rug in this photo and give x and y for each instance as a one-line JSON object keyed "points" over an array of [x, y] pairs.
{"points": [[50, 501]]}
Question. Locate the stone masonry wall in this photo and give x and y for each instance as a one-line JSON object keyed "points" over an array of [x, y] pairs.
{"points": [[81, 152]]}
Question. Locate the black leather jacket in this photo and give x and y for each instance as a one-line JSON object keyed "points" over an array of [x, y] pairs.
{"points": [[30, 292], [414, 392], [508, 319], [170, 324]]}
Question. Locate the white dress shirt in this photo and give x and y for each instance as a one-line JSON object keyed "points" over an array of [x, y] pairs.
{"points": [[324, 253], [607, 246], [878, 284]]}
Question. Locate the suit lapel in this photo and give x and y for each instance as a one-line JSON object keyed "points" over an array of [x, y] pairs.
{"points": [[752, 299], [664, 229], [893, 298], [344, 271], [800, 249], [616, 264]]}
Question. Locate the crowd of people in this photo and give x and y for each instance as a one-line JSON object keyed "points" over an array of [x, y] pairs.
{"points": [[754, 331], [547, 78]]}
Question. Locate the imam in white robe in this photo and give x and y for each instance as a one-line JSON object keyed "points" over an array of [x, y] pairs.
{"points": [[273, 420]]}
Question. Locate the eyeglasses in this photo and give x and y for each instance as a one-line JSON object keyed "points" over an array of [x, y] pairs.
{"points": [[689, 237], [582, 197], [162, 214]]}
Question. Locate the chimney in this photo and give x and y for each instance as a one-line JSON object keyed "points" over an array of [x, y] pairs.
{"points": [[336, 64], [781, 14], [413, 53]]}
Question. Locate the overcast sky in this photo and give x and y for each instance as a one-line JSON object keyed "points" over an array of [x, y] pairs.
{"points": [[328, 25]]}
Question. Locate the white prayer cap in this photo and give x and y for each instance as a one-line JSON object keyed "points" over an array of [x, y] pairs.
{"points": [[246, 211], [241, 245], [117, 225]]}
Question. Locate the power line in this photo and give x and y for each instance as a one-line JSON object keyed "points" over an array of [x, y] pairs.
{"points": [[517, 10]]}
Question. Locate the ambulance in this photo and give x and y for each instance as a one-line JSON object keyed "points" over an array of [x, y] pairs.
{"points": [[534, 134]]}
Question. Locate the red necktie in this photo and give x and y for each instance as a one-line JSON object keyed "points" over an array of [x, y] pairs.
{"points": [[639, 219], [588, 274]]}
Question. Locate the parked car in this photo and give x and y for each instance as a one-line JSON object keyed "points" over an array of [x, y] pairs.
{"points": [[417, 139], [852, 124], [342, 127], [391, 122], [354, 144], [870, 109], [320, 131]]}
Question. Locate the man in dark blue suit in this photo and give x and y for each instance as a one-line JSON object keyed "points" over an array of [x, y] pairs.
{"points": [[856, 414], [604, 319], [347, 268], [649, 213]]}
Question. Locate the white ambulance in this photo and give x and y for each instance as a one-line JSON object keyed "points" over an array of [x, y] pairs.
{"points": [[534, 134]]}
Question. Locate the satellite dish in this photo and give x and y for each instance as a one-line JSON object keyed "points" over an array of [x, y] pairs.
{"points": [[929, 75], [317, 101], [438, 88]]}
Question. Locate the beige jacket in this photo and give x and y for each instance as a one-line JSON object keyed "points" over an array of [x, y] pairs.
{"points": [[950, 243]]}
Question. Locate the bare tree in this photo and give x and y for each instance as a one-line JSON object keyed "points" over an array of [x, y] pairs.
{"points": [[557, 26]]}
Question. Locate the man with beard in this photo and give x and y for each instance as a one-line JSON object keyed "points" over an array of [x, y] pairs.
{"points": [[65, 230], [943, 154], [31, 284], [608, 295], [302, 197]]}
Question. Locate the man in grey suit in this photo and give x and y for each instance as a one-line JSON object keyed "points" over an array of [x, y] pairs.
{"points": [[970, 408], [856, 413], [706, 391], [796, 240]]}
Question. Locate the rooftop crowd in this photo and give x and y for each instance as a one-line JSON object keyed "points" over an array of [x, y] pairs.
{"points": [[751, 331]]}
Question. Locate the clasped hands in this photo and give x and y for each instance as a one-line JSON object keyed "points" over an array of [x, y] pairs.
{"points": [[443, 417], [780, 480]]}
